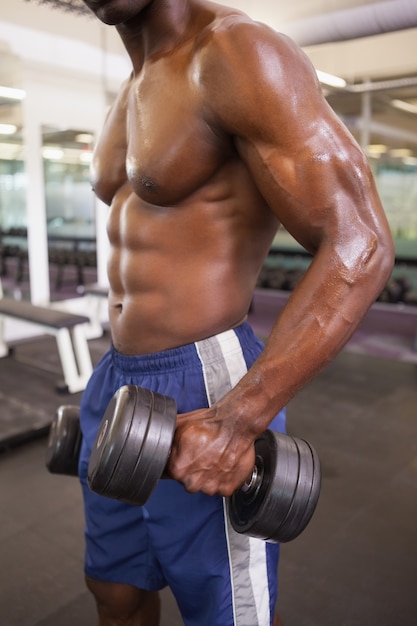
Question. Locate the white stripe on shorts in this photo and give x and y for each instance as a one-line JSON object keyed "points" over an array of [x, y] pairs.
{"points": [[223, 366]]}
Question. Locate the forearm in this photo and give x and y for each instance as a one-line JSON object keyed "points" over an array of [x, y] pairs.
{"points": [[320, 316]]}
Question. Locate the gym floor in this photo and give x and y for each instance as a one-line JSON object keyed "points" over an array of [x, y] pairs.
{"points": [[354, 565]]}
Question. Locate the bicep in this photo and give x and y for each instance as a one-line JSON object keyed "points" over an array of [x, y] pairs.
{"points": [[303, 160], [317, 182]]}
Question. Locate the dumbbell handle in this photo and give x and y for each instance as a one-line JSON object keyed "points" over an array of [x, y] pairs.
{"points": [[254, 479]]}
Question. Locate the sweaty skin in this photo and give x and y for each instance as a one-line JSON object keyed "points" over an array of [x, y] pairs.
{"points": [[221, 134]]}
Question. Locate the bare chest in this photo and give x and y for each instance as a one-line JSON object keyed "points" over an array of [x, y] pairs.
{"points": [[170, 151]]}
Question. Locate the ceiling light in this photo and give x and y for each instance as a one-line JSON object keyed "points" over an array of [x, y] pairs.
{"points": [[86, 157], [404, 106], [376, 149], [330, 79], [400, 153], [7, 129], [84, 138], [52, 154], [11, 93], [410, 160], [11, 151]]}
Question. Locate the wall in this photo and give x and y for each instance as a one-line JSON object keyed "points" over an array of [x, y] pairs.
{"points": [[65, 82]]}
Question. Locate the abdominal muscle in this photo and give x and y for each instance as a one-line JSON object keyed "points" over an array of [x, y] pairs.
{"points": [[162, 318], [180, 274]]}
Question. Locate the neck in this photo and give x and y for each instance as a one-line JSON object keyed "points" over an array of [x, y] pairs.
{"points": [[160, 26]]}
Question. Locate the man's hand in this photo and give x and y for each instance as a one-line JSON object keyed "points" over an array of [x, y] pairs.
{"points": [[209, 455]]}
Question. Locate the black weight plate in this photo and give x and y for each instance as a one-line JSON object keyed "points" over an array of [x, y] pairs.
{"points": [[132, 445], [259, 515], [287, 529], [315, 489], [282, 490], [64, 441], [246, 509], [121, 484], [307, 500], [152, 460], [111, 440]]}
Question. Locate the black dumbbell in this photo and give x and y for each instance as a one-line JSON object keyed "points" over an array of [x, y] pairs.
{"points": [[132, 449], [64, 441]]}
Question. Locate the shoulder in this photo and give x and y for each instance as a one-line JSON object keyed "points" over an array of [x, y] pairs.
{"points": [[243, 61], [234, 40]]}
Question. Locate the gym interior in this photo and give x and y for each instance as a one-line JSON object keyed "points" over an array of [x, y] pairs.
{"points": [[356, 562]]}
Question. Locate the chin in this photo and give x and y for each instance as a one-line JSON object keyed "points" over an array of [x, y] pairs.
{"points": [[113, 12]]}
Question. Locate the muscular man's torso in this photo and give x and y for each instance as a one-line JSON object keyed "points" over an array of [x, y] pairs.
{"points": [[187, 227]]}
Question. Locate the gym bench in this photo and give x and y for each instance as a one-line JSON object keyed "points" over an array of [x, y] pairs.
{"points": [[69, 331], [95, 296]]}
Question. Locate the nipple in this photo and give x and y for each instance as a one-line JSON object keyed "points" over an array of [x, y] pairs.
{"points": [[148, 183]]}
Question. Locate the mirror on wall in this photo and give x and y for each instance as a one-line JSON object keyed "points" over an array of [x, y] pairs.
{"points": [[14, 269], [70, 210], [382, 115]]}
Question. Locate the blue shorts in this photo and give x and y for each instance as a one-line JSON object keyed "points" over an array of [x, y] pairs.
{"points": [[218, 577]]}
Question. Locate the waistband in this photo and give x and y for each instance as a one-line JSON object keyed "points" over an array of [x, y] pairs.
{"points": [[184, 356]]}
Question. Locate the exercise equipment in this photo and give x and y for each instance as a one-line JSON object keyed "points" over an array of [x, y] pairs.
{"points": [[132, 449], [68, 330], [132, 445], [279, 498], [64, 441]]}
